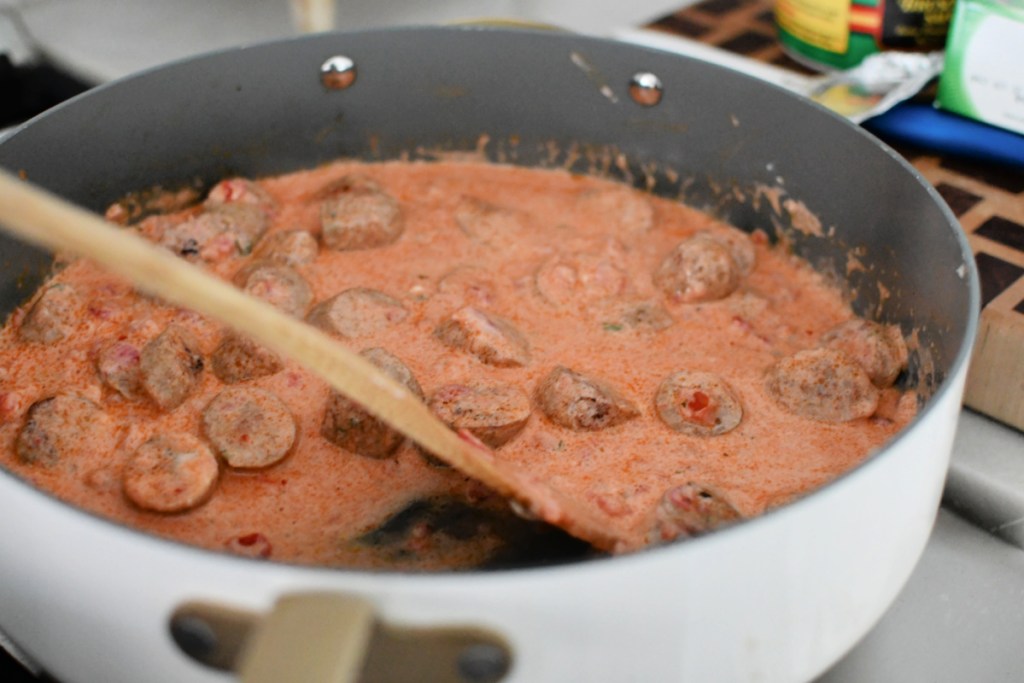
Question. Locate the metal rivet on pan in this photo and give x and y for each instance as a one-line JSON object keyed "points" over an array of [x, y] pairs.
{"points": [[211, 634], [483, 663], [194, 636], [645, 88], [338, 72]]}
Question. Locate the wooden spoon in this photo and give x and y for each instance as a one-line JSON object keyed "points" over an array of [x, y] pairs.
{"points": [[44, 219]]}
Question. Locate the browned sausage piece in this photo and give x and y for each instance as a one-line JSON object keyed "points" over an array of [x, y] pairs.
{"points": [[135, 205], [394, 367], [287, 248], [579, 278], [280, 286], [699, 269], [351, 182], [631, 209], [64, 426], [349, 426], [185, 238], [823, 384], [362, 218], [53, 315], [222, 231], [486, 222], [170, 473], [493, 413], [356, 312], [169, 366], [635, 315], [118, 367], [879, 349], [470, 285], [249, 427], [698, 403], [690, 510], [492, 339], [240, 223], [238, 191], [739, 245], [579, 402], [239, 359]]}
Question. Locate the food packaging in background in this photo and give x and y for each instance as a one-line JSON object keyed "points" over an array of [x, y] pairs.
{"points": [[983, 76], [839, 34]]}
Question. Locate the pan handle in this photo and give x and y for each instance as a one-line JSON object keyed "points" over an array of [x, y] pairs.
{"points": [[329, 637], [322, 638]]}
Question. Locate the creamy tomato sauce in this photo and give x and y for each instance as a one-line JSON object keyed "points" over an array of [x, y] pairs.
{"points": [[483, 281]]}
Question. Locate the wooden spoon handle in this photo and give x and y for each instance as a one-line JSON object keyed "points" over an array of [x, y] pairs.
{"points": [[44, 219]]}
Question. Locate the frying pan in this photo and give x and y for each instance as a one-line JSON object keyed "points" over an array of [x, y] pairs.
{"points": [[776, 598]]}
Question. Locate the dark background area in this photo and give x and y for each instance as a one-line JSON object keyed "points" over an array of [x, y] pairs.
{"points": [[25, 91], [30, 89], [11, 671]]}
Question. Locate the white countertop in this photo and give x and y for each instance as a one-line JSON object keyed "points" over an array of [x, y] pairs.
{"points": [[961, 615], [104, 39]]}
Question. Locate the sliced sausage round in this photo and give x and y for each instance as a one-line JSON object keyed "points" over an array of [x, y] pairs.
{"points": [[287, 248], [357, 312], [119, 367], [635, 315], [350, 182], [486, 222], [238, 191], [739, 245], [249, 427], [362, 218], [348, 425], [699, 269], [239, 359], [220, 232], [689, 510], [469, 285], [64, 427], [822, 384], [241, 223], [630, 209], [170, 473], [582, 403], [394, 367], [580, 278], [280, 286], [879, 349], [493, 413], [169, 366], [53, 315], [698, 403], [492, 339], [186, 238]]}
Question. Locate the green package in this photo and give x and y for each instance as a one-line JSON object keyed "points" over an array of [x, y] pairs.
{"points": [[983, 77]]}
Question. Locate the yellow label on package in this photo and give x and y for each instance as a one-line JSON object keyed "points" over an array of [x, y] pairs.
{"points": [[822, 23], [983, 76]]}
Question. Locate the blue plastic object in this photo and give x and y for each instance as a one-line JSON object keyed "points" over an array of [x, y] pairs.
{"points": [[925, 126]]}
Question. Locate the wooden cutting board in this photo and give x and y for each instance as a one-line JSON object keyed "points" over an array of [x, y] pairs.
{"points": [[988, 200]]}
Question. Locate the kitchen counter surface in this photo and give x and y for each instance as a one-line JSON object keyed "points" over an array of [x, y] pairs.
{"points": [[961, 615]]}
